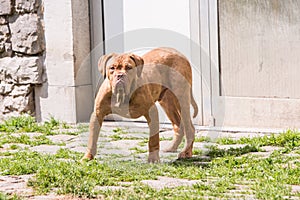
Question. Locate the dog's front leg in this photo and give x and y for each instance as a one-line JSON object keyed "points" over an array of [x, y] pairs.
{"points": [[153, 144], [94, 129]]}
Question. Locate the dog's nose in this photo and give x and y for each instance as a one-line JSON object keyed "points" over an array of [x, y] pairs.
{"points": [[119, 76]]}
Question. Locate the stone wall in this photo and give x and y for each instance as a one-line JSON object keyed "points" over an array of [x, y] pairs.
{"points": [[22, 48]]}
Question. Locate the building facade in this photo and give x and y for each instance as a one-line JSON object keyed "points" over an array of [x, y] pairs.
{"points": [[243, 54]]}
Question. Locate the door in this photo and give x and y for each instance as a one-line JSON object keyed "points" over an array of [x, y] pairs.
{"points": [[253, 49], [140, 25]]}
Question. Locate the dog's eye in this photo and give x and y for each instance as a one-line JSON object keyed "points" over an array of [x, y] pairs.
{"points": [[112, 69], [128, 67]]}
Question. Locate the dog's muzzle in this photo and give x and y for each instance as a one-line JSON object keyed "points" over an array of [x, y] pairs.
{"points": [[119, 93]]}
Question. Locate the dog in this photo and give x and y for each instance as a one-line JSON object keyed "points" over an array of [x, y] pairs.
{"points": [[131, 87]]}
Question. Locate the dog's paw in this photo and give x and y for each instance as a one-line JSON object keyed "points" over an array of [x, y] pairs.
{"points": [[87, 157], [153, 157], [185, 154]]}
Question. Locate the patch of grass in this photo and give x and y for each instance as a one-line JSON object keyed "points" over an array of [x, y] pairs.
{"points": [[67, 154], [25, 139], [202, 139], [119, 130], [138, 150], [214, 151], [120, 134], [79, 129], [14, 147], [23, 123], [116, 137], [288, 139], [197, 152], [165, 138], [27, 123], [9, 197], [143, 143]]}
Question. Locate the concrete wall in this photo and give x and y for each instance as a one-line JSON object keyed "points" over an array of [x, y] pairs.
{"points": [[67, 94]]}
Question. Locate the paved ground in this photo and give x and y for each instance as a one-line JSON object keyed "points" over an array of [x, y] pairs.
{"points": [[131, 146]]}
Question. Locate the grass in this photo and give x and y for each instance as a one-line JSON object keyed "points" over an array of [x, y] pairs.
{"points": [[9, 197], [138, 150], [14, 130], [28, 124], [288, 139], [218, 171], [122, 134], [267, 178], [202, 139], [25, 139]]}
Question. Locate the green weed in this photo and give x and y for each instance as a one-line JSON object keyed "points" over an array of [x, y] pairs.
{"points": [[289, 139], [26, 123], [138, 150], [9, 197], [202, 139], [25, 139]]}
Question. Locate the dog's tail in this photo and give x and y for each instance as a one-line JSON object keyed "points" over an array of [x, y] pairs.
{"points": [[194, 104]]}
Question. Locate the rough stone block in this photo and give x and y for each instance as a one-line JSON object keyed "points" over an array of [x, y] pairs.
{"points": [[3, 20], [19, 104], [21, 70], [27, 35], [7, 50], [20, 90], [4, 33], [5, 7], [4, 36], [25, 6], [5, 88]]}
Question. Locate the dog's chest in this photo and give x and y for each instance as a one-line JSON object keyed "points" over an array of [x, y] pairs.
{"points": [[130, 110]]}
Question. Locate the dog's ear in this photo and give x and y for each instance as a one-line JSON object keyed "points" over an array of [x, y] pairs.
{"points": [[102, 63], [139, 63]]}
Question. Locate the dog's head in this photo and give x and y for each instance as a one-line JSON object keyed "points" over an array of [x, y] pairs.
{"points": [[122, 72]]}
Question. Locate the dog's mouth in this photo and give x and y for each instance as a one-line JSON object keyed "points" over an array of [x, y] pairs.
{"points": [[119, 94]]}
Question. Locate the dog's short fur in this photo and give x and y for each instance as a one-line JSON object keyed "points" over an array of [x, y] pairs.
{"points": [[133, 84]]}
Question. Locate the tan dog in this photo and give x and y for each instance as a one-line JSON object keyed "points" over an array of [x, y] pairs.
{"points": [[131, 87]]}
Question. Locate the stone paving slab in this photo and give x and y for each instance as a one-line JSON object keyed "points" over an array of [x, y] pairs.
{"points": [[16, 185], [31, 135], [46, 149], [8, 146], [167, 182], [61, 138]]}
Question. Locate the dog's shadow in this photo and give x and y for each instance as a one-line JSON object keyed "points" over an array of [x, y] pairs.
{"points": [[204, 160]]}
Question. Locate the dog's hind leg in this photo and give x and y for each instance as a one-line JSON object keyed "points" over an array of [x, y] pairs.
{"points": [[171, 106], [187, 125]]}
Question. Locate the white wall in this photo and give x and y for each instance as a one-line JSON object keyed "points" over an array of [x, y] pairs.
{"points": [[164, 14], [172, 15]]}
